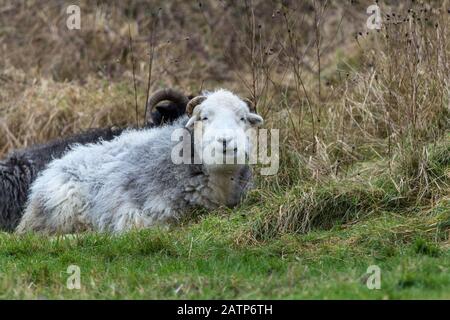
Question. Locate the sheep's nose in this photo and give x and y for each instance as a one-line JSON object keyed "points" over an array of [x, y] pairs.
{"points": [[224, 141]]}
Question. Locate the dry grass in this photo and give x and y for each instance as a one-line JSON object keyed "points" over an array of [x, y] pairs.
{"points": [[46, 108], [244, 50]]}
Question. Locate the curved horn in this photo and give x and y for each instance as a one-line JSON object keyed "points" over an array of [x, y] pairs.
{"points": [[250, 105], [193, 103], [162, 95]]}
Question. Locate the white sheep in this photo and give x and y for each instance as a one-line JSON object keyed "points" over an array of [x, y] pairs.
{"points": [[132, 181]]}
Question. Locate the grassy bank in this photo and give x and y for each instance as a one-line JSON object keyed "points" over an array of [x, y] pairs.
{"points": [[203, 260]]}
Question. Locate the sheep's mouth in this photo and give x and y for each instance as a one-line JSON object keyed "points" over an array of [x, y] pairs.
{"points": [[232, 152]]}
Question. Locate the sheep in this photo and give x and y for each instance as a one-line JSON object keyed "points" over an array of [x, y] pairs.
{"points": [[20, 168], [132, 182]]}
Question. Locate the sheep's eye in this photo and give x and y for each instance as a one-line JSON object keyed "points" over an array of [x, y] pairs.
{"points": [[242, 119], [204, 118]]}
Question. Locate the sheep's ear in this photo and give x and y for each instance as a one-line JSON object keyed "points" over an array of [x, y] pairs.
{"points": [[255, 120]]}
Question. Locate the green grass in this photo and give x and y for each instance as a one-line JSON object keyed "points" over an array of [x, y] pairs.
{"points": [[210, 258]]}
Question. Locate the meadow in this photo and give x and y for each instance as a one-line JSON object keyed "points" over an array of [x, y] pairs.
{"points": [[363, 114]]}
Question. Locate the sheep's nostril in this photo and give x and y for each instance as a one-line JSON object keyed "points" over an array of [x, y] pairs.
{"points": [[227, 143], [235, 150]]}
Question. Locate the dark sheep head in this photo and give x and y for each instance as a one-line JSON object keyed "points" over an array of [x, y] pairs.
{"points": [[165, 106]]}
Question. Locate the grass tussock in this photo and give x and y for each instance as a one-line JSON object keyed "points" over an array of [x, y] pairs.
{"points": [[401, 186], [316, 207], [423, 173]]}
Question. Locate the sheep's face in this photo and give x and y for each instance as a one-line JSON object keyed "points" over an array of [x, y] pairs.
{"points": [[223, 121]]}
